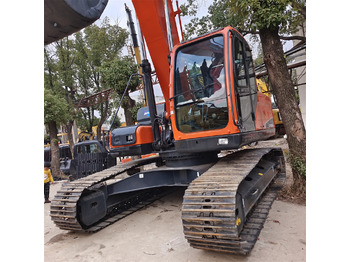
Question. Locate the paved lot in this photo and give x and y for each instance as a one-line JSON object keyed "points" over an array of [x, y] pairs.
{"points": [[155, 234]]}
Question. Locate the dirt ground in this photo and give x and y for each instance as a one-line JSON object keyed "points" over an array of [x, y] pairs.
{"points": [[154, 233]]}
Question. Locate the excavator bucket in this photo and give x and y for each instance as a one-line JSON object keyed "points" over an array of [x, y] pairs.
{"points": [[64, 17]]}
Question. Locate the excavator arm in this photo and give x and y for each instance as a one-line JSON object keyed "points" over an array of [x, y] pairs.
{"points": [[152, 18]]}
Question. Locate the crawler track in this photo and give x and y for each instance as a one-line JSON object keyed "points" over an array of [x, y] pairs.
{"points": [[64, 206], [209, 213], [128, 207]]}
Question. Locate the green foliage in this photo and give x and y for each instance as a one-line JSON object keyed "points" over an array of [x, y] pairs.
{"points": [[298, 165], [84, 123], [189, 9], [220, 14], [72, 67], [135, 109], [64, 63], [51, 79], [198, 26], [256, 14], [94, 46], [117, 123], [247, 15], [115, 74], [104, 42], [55, 108]]}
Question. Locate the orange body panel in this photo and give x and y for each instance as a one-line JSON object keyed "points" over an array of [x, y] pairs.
{"points": [[125, 160], [144, 135], [149, 155], [264, 116]]}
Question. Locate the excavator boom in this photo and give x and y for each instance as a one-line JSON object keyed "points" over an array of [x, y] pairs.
{"points": [[152, 18]]}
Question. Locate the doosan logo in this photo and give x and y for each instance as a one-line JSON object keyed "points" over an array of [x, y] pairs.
{"points": [[146, 113]]}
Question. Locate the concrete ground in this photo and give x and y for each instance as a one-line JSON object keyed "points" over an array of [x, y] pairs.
{"points": [[154, 233]]}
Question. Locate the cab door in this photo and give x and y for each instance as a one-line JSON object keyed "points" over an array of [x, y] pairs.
{"points": [[244, 83]]}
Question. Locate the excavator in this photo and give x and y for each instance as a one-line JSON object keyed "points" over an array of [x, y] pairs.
{"points": [[212, 109], [277, 119]]}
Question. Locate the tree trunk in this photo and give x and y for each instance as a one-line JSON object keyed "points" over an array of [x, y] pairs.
{"points": [[71, 141], [55, 152], [90, 117], [283, 89], [104, 109]]}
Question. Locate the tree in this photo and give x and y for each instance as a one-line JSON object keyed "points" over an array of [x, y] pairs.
{"points": [[76, 62], [271, 20], [56, 111], [65, 71], [58, 89], [94, 46], [50, 81], [116, 74]]}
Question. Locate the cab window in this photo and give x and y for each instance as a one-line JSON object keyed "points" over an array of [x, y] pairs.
{"points": [[200, 87]]}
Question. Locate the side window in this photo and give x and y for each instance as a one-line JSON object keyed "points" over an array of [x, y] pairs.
{"points": [[94, 149], [68, 153], [244, 82], [239, 67], [65, 152], [79, 149], [251, 74]]}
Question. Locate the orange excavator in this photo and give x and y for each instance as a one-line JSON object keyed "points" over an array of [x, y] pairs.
{"points": [[212, 108]]}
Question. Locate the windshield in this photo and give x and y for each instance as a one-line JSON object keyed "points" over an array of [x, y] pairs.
{"points": [[200, 89]]}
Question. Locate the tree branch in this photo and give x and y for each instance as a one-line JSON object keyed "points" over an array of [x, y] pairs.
{"points": [[249, 32], [293, 37]]}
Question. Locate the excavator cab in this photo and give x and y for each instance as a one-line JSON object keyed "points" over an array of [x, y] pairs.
{"points": [[215, 100]]}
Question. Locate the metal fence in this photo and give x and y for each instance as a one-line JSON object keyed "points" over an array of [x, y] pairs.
{"points": [[90, 163]]}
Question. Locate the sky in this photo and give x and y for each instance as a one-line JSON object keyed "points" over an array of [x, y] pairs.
{"points": [[115, 10]]}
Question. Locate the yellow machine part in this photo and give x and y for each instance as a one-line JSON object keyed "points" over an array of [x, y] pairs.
{"points": [[262, 87], [276, 116]]}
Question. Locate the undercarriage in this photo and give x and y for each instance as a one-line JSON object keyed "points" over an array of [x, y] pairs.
{"points": [[224, 208]]}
